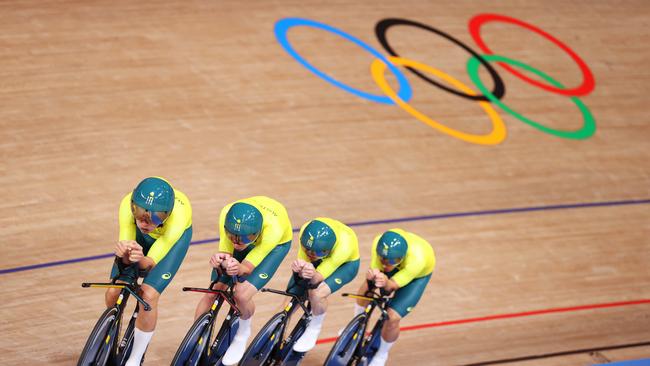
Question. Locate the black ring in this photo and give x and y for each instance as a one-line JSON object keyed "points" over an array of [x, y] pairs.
{"points": [[382, 28]]}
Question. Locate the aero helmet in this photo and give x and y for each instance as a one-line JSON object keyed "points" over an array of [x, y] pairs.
{"points": [[154, 195], [318, 237], [392, 247], [243, 220]]}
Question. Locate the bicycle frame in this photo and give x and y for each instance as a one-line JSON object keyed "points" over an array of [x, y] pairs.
{"points": [[118, 352], [201, 353], [281, 348], [370, 343]]}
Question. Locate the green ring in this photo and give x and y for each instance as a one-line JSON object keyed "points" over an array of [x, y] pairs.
{"points": [[589, 126]]}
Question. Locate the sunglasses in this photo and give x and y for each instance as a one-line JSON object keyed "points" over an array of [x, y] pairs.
{"points": [[390, 261], [315, 253], [242, 239], [155, 217]]}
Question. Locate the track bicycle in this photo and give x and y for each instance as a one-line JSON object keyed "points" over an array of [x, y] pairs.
{"points": [[270, 347], [194, 349], [104, 345], [353, 346]]}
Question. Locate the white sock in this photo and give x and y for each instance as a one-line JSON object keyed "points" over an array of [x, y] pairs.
{"points": [[244, 329], [237, 348], [384, 347], [358, 309], [308, 339], [140, 342], [316, 321]]}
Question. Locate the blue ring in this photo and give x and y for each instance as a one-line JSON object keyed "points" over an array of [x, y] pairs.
{"points": [[283, 25]]}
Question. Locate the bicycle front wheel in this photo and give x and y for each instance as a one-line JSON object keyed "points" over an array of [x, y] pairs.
{"points": [[347, 343], [193, 345], [101, 341], [260, 349]]}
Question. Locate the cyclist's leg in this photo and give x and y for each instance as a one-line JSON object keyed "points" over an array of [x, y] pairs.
{"points": [[292, 289], [154, 284], [244, 292], [318, 301], [113, 293], [208, 299], [145, 325], [360, 304], [223, 282], [334, 282], [111, 296], [128, 274], [260, 276], [400, 306]]}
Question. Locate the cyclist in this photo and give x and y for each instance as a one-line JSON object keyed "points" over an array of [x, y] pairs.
{"points": [[255, 236], [329, 258], [401, 262], [155, 232]]}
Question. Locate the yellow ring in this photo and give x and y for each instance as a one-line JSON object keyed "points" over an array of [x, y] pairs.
{"points": [[498, 133]]}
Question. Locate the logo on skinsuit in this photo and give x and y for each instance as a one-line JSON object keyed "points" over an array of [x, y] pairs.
{"points": [[409, 309], [338, 281], [264, 276], [166, 276]]}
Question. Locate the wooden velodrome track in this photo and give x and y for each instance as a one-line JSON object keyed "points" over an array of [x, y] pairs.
{"points": [[99, 94]]}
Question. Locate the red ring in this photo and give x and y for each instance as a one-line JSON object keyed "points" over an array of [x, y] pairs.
{"points": [[588, 82]]}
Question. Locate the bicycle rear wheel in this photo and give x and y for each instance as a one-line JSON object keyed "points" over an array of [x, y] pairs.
{"points": [[194, 344], [101, 342], [221, 341], [260, 349], [347, 343], [287, 356], [372, 345]]}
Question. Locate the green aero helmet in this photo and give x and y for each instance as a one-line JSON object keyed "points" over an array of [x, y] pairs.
{"points": [[154, 194], [243, 220], [392, 247], [318, 237]]}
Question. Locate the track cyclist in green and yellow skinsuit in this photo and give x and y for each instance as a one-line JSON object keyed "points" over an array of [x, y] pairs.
{"points": [[155, 231], [255, 236], [329, 258], [402, 262]]}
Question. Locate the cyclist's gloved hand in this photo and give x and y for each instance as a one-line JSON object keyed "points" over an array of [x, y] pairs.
{"points": [[231, 266], [217, 258], [122, 248], [372, 274], [297, 265], [380, 280], [308, 271], [135, 252]]}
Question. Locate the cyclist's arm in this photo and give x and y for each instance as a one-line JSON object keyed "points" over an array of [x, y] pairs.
{"points": [[146, 263], [329, 265], [404, 276], [391, 286], [126, 224], [261, 250], [246, 268], [175, 227], [126, 219], [160, 248], [225, 245], [318, 278]]}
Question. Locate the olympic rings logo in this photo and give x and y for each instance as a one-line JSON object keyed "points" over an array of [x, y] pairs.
{"points": [[402, 97]]}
